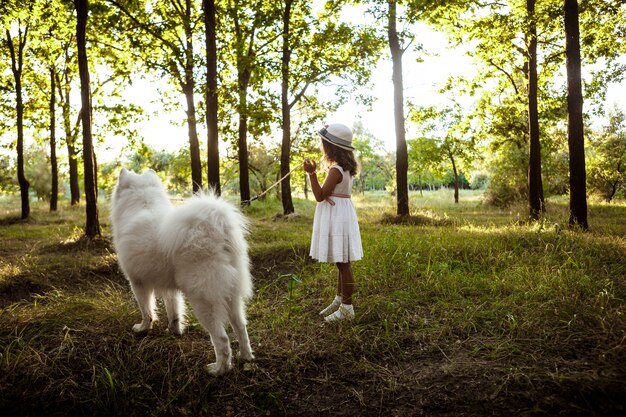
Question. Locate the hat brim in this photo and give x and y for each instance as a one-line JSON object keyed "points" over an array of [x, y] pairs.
{"points": [[329, 140]]}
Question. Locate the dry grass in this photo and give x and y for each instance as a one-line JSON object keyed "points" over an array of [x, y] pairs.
{"points": [[472, 314]]}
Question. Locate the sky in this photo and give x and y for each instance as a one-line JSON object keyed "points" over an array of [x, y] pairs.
{"points": [[421, 83]]}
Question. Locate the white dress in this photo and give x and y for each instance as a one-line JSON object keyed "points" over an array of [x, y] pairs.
{"points": [[336, 235]]}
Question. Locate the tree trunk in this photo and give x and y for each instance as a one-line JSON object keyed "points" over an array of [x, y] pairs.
{"points": [[70, 135], [402, 160], [242, 141], [534, 168], [285, 150], [188, 89], [73, 170], [17, 65], [456, 178], [213, 156], [194, 145], [92, 227], [54, 189], [575, 130]]}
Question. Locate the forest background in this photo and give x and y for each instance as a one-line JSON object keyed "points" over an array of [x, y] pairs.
{"points": [[272, 74]]}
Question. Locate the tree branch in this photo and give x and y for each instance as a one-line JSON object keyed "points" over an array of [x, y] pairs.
{"points": [[510, 77], [298, 96], [144, 26]]}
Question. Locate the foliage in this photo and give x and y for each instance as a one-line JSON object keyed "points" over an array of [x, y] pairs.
{"points": [[8, 182], [447, 143], [38, 171], [607, 155], [508, 177], [373, 172], [133, 39], [264, 165]]}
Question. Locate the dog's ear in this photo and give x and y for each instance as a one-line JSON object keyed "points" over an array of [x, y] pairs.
{"points": [[122, 181], [153, 176]]}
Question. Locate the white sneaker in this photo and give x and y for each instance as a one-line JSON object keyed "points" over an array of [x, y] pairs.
{"points": [[345, 312], [332, 307]]}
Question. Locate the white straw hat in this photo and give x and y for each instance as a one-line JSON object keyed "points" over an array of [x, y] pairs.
{"points": [[338, 135]]}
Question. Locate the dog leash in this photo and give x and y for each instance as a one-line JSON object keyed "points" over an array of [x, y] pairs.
{"points": [[272, 186]]}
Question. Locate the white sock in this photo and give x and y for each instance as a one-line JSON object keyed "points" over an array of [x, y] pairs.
{"points": [[332, 307]]}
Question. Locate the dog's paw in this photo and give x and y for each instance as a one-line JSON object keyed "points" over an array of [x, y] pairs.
{"points": [[142, 327], [217, 369], [176, 327], [175, 332], [246, 356]]}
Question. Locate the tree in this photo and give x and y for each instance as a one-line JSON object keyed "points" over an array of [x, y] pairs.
{"points": [[285, 152], [92, 226], [402, 164], [164, 35], [54, 186], [64, 79], [316, 50], [506, 42], [367, 150], [451, 139], [535, 186], [252, 38], [607, 156], [575, 129], [212, 107], [15, 44], [263, 166], [108, 52], [424, 158]]}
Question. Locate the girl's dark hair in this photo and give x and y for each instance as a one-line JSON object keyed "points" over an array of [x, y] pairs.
{"points": [[342, 157]]}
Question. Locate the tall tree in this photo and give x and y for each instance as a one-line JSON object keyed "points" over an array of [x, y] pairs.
{"points": [[167, 32], [575, 130], [402, 160], [64, 81], [535, 186], [505, 35], [15, 46], [251, 38], [607, 156], [212, 106], [450, 139], [285, 151], [92, 226], [317, 50], [54, 188]]}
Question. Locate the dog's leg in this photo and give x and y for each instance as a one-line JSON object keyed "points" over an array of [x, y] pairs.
{"points": [[212, 321], [146, 301], [175, 308], [237, 317]]}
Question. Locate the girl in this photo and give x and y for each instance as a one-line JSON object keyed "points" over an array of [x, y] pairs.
{"points": [[336, 237]]}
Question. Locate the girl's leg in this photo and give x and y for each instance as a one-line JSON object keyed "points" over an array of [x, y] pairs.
{"points": [[346, 287], [337, 301], [338, 281], [346, 282]]}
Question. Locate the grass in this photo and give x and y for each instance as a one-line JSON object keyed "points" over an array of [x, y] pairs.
{"points": [[469, 311]]}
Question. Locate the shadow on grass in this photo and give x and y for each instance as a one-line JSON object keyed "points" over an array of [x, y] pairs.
{"points": [[413, 220]]}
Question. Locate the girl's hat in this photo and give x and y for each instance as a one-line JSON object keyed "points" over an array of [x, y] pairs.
{"points": [[338, 135]]}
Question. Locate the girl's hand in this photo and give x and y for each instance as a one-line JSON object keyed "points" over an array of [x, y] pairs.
{"points": [[309, 166]]}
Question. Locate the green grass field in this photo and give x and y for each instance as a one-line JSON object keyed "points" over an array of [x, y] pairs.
{"points": [[463, 310]]}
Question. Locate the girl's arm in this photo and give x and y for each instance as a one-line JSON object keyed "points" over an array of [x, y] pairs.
{"points": [[321, 193]]}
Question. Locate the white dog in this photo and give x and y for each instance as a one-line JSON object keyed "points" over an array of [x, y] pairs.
{"points": [[198, 248]]}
